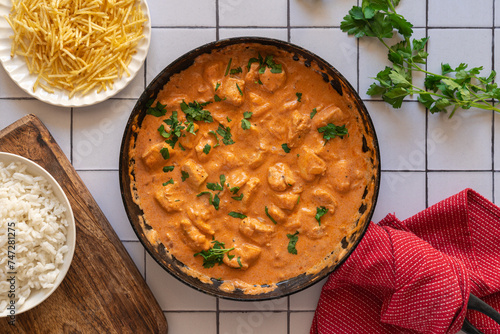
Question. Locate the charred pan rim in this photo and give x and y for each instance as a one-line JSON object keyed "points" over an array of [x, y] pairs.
{"points": [[135, 213]]}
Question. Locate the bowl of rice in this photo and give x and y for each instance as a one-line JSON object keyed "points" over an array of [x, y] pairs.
{"points": [[37, 234]]}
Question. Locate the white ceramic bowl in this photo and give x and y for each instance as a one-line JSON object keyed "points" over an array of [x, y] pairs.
{"points": [[17, 69], [37, 297]]}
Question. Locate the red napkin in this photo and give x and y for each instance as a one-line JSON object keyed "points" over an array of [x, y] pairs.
{"points": [[415, 276]]}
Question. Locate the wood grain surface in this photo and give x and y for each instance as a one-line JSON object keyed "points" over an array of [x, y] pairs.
{"points": [[103, 291]]}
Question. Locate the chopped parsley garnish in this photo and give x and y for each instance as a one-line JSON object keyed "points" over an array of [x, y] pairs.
{"points": [[165, 153], [237, 215], [190, 128], [184, 175], [214, 255], [216, 201], [225, 133], [234, 190], [228, 119], [217, 86], [259, 82], [175, 132], [167, 169], [194, 111], [299, 97], [245, 124], [239, 89], [263, 63], [298, 199], [238, 198], [217, 186], [171, 181], [238, 259], [267, 214], [247, 114], [228, 66], [210, 198], [218, 99], [285, 148], [207, 148], [313, 113], [212, 132], [293, 241], [320, 212], [236, 70], [331, 131], [181, 147], [158, 110]]}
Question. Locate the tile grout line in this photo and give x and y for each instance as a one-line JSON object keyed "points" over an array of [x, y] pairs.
{"points": [[493, 112], [426, 115], [217, 21]]}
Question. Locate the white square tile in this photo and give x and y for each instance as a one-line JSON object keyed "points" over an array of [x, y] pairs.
{"points": [[56, 119], [135, 87], [497, 188], [8, 88], [171, 294], [192, 322], [442, 185], [136, 252], [401, 193], [319, 13], [280, 304], [400, 133], [307, 300], [276, 33], [169, 44], [414, 11], [496, 142], [300, 322], [447, 46], [336, 47], [105, 188], [460, 13], [253, 322], [373, 59], [182, 13], [497, 12], [254, 13], [97, 134], [462, 142]]}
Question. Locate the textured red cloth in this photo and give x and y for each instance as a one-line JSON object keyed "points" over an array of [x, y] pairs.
{"points": [[415, 276]]}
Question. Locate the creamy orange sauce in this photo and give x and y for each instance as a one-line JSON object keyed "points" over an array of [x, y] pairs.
{"points": [[316, 173]]}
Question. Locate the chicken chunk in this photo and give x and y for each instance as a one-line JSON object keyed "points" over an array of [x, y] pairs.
{"points": [[260, 105], [278, 215], [233, 90], [213, 73], [343, 176], [287, 201], [305, 222], [331, 114], [237, 178], [168, 198], [189, 139], [207, 139], [199, 216], [153, 157], [310, 165], [258, 232], [301, 125], [249, 190], [193, 237], [324, 198], [280, 177], [197, 174], [272, 81], [244, 256]]}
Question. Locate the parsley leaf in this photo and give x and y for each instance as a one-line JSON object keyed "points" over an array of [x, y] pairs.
{"points": [[247, 114], [228, 119], [216, 201], [238, 198], [175, 132], [184, 175], [239, 89], [214, 255], [225, 133], [320, 212], [236, 70], [245, 124], [212, 132], [285, 148], [292, 242], [238, 259], [210, 196], [194, 111], [158, 110], [217, 98], [171, 181], [331, 131], [217, 86], [165, 153], [299, 97], [207, 148], [234, 190], [237, 215], [167, 169], [228, 66], [263, 63], [313, 113], [267, 214]]}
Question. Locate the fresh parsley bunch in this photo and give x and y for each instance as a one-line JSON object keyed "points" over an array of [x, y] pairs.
{"points": [[455, 87]]}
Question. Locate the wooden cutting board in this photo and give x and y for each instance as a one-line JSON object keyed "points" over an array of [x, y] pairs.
{"points": [[103, 291]]}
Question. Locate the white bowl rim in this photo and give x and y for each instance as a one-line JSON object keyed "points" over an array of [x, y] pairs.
{"points": [[41, 295]]}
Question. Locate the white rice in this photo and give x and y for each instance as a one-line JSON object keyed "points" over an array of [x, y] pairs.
{"points": [[40, 233]]}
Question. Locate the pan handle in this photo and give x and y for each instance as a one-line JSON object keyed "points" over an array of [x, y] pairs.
{"points": [[477, 304]]}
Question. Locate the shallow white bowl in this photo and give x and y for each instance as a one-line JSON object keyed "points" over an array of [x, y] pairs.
{"points": [[17, 69], [37, 297]]}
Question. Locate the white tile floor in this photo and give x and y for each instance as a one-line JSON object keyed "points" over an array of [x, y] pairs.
{"points": [[424, 157]]}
